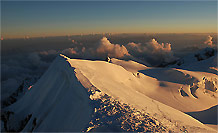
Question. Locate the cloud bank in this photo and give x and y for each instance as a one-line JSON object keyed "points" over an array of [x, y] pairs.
{"points": [[15, 69], [152, 52]]}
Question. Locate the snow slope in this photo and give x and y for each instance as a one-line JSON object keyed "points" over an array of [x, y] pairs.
{"points": [[208, 116], [130, 65], [57, 101], [174, 87], [208, 65], [204, 61], [125, 86], [61, 99]]}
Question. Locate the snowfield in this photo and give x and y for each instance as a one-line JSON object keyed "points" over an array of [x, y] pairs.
{"points": [[204, 61], [81, 95], [174, 87]]}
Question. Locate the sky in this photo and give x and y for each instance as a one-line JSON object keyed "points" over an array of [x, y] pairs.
{"points": [[54, 18]]}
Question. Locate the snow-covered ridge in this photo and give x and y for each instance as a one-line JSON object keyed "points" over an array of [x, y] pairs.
{"points": [[55, 102], [64, 98], [204, 60]]}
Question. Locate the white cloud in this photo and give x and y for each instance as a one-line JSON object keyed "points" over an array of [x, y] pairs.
{"points": [[159, 47], [152, 52], [113, 50], [209, 41]]}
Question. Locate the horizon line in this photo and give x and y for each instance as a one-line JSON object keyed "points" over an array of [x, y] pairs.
{"points": [[106, 33]]}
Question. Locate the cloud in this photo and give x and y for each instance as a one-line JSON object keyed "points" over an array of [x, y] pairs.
{"points": [[9, 84], [16, 68], [152, 52], [49, 52], [209, 41], [69, 51], [159, 47], [113, 50], [34, 59]]}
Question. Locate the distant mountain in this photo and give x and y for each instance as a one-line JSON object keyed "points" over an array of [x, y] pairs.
{"points": [[205, 60], [81, 95]]}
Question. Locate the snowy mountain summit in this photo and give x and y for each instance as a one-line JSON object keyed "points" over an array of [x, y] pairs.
{"points": [[81, 95]]}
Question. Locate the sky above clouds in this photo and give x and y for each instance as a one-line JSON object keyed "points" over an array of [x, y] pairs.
{"points": [[53, 18]]}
